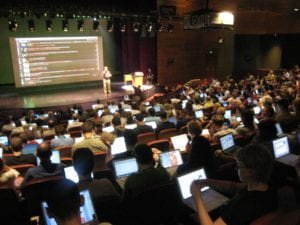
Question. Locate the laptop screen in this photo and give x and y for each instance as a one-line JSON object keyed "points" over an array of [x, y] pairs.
{"points": [[87, 212], [279, 130], [131, 126], [1, 153], [71, 174], [281, 147], [79, 139], [4, 140], [256, 110], [39, 140], [108, 129], [55, 157], [172, 120], [157, 108], [227, 142], [29, 149], [186, 180], [170, 159], [227, 114], [180, 142], [118, 146], [199, 114], [125, 167], [152, 124]]}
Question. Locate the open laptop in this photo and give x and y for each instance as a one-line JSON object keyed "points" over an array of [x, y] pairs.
{"points": [[256, 110], [119, 146], [108, 129], [179, 142], [199, 114], [211, 198], [170, 159], [55, 157], [39, 140], [4, 140], [29, 149], [152, 124], [172, 120], [282, 152], [87, 212], [123, 168], [131, 126], [157, 108], [227, 114], [227, 143]]}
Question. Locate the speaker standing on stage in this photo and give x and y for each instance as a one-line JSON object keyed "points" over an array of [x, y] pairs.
{"points": [[149, 76], [106, 80]]}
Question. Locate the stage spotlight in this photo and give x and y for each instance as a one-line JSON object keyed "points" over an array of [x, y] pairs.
{"points": [[49, 25], [110, 26], [136, 26], [122, 26], [31, 26], [96, 25], [65, 25], [80, 25], [170, 27], [12, 25]]}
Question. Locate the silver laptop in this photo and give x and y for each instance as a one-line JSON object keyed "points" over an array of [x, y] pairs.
{"points": [[123, 168], [199, 114], [119, 146], [87, 212], [211, 198], [170, 159], [29, 149], [4, 140], [152, 124], [55, 157], [282, 152], [227, 143], [179, 142]]}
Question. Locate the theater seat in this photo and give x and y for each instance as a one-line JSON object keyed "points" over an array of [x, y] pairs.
{"points": [[22, 169], [167, 133], [162, 144], [146, 137], [65, 151]]}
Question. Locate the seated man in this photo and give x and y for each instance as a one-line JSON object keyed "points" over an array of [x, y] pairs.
{"points": [[147, 177], [252, 199], [46, 167], [164, 123], [61, 139], [90, 142], [152, 116], [218, 128], [18, 158], [141, 126]]}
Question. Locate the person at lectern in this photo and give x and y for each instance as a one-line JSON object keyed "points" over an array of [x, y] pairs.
{"points": [[149, 76], [106, 80]]}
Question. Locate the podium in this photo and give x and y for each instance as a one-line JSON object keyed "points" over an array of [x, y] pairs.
{"points": [[128, 78], [138, 78]]}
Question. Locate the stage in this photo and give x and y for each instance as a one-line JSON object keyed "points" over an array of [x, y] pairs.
{"points": [[83, 93]]}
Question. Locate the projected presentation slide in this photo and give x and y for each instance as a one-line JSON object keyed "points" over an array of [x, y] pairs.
{"points": [[56, 60]]}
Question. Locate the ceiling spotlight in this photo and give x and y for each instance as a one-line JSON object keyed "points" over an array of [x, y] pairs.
{"points": [[49, 25], [136, 26], [110, 26], [65, 25], [149, 27], [80, 25], [12, 25], [296, 9], [96, 25], [122, 26], [31, 26], [170, 27]]}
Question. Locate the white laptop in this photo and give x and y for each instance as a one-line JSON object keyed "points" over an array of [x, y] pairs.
{"points": [[211, 198], [71, 174], [55, 157], [100, 112], [179, 142], [227, 114], [4, 140], [227, 143], [170, 159], [199, 114], [152, 124], [183, 104], [131, 126], [29, 149], [87, 212], [256, 110], [119, 146], [79, 139], [108, 129], [282, 151], [123, 168]]}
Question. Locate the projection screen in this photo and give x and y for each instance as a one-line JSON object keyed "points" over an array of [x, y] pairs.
{"points": [[56, 60]]}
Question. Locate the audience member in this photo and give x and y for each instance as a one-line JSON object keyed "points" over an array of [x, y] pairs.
{"points": [[141, 126], [164, 123], [61, 140]]}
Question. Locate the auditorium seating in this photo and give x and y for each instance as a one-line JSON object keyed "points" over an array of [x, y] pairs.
{"points": [[161, 144], [167, 133], [146, 137], [22, 169]]}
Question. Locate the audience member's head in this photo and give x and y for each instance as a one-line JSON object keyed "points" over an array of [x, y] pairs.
{"points": [[44, 152], [218, 120], [151, 111], [194, 128], [267, 130], [283, 104], [83, 162], [255, 164], [143, 154], [140, 118], [60, 130], [116, 121], [64, 202], [163, 116], [247, 118], [16, 144], [87, 127]]}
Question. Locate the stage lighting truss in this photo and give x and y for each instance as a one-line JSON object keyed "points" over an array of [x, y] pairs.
{"points": [[12, 25], [65, 25], [80, 25], [31, 25]]}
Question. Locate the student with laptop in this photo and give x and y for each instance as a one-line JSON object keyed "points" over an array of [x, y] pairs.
{"points": [[19, 158], [61, 140], [147, 177], [253, 199], [164, 123], [141, 126], [200, 153]]}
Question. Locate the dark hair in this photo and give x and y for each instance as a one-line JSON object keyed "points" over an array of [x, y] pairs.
{"points": [[83, 161], [60, 129], [87, 127], [248, 118], [151, 111], [139, 117], [267, 130], [258, 159], [163, 115], [143, 154], [44, 151], [194, 127], [16, 144], [116, 121], [218, 120], [63, 199]]}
